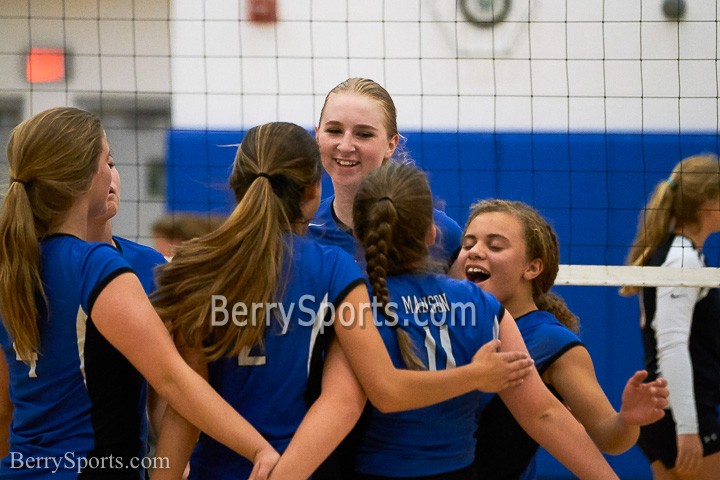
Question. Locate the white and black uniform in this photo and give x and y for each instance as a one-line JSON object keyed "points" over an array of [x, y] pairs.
{"points": [[681, 336]]}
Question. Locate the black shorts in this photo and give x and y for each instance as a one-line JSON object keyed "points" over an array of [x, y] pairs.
{"points": [[658, 441], [467, 473]]}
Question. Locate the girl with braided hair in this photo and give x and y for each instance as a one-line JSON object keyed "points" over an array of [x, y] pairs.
{"points": [[511, 251], [430, 321]]}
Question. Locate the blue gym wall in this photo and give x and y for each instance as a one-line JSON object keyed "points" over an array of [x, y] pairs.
{"points": [[590, 186]]}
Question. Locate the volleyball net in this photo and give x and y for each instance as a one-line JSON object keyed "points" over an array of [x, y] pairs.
{"points": [[578, 108]]}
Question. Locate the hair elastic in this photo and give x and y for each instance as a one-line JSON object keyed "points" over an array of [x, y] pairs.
{"points": [[386, 198], [264, 175], [17, 180], [671, 183]]}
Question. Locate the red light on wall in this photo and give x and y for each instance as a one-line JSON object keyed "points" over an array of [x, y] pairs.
{"points": [[45, 65], [262, 11]]}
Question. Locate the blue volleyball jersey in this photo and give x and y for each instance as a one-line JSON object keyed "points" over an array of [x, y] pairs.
{"points": [[268, 385], [78, 402], [545, 337], [504, 450], [325, 229], [142, 259], [448, 321]]}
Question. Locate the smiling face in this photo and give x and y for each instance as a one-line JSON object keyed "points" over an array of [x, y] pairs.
{"points": [[353, 138], [494, 256]]}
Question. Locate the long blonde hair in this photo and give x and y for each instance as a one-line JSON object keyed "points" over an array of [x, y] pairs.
{"points": [[53, 158], [243, 259], [540, 242], [674, 203], [392, 213]]}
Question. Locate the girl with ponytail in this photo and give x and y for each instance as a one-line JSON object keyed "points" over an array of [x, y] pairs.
{"points": [[78, 332], [681, 325], [430, 321]]}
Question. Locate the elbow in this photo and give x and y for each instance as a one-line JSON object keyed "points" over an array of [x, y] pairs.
{"points": [[383, 394], [356, 407], [619, 444], [617, 447], [351, 412], [387, 405], [612, 433], [386, 400], [384, 407], [165, 387], [614, 450]]}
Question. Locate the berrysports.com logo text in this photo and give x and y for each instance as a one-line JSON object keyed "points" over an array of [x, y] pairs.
{"points": [[70, 461]]}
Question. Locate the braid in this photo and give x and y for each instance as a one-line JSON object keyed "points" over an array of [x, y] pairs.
{"points": [[389, 243], [376, 255]]}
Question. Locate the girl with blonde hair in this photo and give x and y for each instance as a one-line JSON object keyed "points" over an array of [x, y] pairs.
{"points": [[78, 332], [681, 325]]}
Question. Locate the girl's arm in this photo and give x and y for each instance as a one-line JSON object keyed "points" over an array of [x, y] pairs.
{"points": [[175, 445], [176, 436], [123, 314], [548, 422], [672, 323], [328, 421], [6, 407], [391, 389], [573, 376], [156, 409]]}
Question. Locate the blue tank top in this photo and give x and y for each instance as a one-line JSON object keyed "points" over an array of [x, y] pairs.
{"points": [[504, 450], [448, 321], [268, 386], [80, 402], [325, 229]]}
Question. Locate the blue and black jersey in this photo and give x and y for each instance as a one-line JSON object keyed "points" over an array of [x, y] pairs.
{"points": [[142, 259], [268, 384], [448, 321], [504, 450], [328, 230], [79, 403]]}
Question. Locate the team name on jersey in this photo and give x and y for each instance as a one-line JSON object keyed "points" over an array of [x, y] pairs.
{"points": [[428, 304]]}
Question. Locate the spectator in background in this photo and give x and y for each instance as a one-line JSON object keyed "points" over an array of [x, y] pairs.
{"points": [[681, 325], [172, 229]]}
